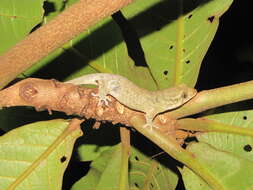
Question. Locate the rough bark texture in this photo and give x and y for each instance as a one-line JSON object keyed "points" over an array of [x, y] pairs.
{"points": [[74, 100]]}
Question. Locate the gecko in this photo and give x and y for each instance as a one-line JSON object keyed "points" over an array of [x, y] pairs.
{"points": [[151, 103]]}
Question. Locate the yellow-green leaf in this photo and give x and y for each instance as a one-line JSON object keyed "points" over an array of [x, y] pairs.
{"points": [[17, 19], [229, 157], [231, 171], [35, 156], [144, 173]]}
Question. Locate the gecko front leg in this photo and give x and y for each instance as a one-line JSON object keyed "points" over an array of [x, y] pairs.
{"points": [[150, 115], [102, 93]]}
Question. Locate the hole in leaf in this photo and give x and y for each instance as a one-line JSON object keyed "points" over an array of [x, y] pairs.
{"points": [[188, 61], [49, 7], [165, 72], [245, 118], [211, 18], [63, 159], [189, 16], [171, 47], [136, 158], [247, 148], [136, 185]]}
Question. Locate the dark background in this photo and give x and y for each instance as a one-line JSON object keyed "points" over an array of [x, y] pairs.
{"points": [[230, 58]]}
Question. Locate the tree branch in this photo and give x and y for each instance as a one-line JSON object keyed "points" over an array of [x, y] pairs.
{"points": [[208, 99], [71, 99], [68, 98], [53, 35], [171, 146]]}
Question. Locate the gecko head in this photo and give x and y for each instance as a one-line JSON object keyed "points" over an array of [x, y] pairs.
{"points": [[178, 95]]}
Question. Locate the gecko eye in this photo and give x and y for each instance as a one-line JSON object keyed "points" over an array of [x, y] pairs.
{"points": [[184, 95]]}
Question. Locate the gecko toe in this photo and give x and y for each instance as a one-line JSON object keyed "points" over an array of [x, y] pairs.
{"points": [[103, 99], [150, 125]]}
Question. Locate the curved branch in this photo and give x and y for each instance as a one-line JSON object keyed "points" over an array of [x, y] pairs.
{"points": [[208, 99], [68, 98], [53, 35], [71, 99], [171, 146]]}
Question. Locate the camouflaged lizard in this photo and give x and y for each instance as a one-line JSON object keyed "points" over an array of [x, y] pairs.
{"points": [[127, 93]]}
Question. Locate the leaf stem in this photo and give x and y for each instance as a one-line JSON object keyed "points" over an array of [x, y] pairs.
{"points": [[125, 151], [179, 45], [208, 99], [207, 125], [171, 146]]}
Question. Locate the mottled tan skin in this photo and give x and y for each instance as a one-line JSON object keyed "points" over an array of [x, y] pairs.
{"points": [[136, 98]]}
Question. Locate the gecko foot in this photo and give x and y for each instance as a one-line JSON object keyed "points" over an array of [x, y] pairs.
{"points": [[151, 125], [103, 99], [150, 115]]}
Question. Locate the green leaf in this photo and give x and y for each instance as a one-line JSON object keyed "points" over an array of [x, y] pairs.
{"points": [[35, 156], [97, 141], [229, 142], [175, 45], [17, 19], [233, 172], [104, 172], [225, 153], [102, 52], [147, 173], [143, 172]]}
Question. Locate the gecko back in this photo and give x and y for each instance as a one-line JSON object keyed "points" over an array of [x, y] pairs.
{"points": [[135, 97]]}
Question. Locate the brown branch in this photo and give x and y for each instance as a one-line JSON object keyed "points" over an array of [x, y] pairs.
{"points": [[64, 97], [71, 99], [53, 35], [75, 100]]}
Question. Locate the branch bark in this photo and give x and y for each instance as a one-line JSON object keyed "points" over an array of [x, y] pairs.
{"points": [[68, 98], [73, 100], [53, 35], [208, 99]]}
